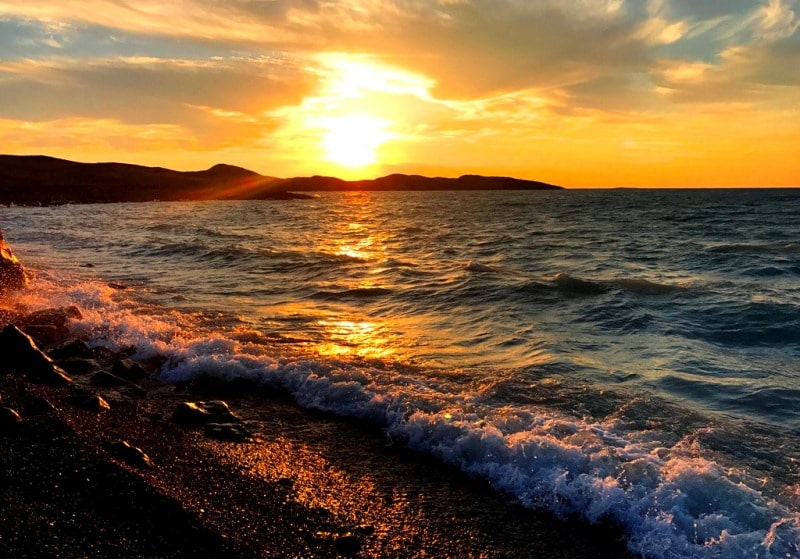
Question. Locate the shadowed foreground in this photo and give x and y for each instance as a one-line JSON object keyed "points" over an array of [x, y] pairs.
{"points": [[304, 484]]}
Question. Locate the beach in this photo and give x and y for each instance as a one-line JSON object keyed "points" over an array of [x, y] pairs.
{"points": [[305, 484]]}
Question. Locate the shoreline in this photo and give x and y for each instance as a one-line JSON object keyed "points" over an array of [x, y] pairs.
{"points": [[306, 484], [98, 457]]}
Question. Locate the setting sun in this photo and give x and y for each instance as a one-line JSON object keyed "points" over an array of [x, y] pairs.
{"points": [[353, 140]]}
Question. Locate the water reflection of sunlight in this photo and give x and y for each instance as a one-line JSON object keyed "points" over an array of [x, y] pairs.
{"points": [[355, 235], [364, 339]]}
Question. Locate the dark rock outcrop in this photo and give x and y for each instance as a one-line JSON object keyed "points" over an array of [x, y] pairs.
{"points": [[12, 274], [20, 353]]}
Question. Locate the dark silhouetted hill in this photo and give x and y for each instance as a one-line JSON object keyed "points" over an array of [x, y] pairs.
{"points": [[414, 182], [38, 179]]}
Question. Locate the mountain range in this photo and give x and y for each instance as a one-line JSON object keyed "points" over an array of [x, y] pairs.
{"points": [[39, 179]]}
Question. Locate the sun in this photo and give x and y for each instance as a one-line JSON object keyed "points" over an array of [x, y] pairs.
{"points": [[353, 140]]}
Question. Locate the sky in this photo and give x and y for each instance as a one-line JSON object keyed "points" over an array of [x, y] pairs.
{"points": [[580, 93]]}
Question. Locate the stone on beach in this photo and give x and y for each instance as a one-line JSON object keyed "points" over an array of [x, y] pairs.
{"points": [[89, 401], [75, 349], [126, 452], [78, 366], [12, 274], [104, 378], [49, 326], [21, 353], [235, 432], [127, 369], [200, 413]]}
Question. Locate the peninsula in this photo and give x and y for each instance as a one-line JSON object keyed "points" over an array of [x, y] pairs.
{"points": [[43, 180]]}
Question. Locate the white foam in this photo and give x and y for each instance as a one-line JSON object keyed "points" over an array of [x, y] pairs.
{"points": [[672, 501]]}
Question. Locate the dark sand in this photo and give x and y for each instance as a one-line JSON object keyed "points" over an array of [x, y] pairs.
{"points": [[308, 485]]}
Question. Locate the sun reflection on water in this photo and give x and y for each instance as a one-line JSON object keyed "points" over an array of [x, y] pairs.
{"points": [[368, 340]]}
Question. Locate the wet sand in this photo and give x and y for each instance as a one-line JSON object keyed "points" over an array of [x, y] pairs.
{"points": [[305, 485]]}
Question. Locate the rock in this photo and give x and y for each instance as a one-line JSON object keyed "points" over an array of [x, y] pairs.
{"points": [[134, 391], [78, 366], [235, 432], [92, 402], [12, 274], [44, 334], [128, 453], [9, 419], [104, 378], [127, 369], [50, 322], [200, 413], [76, 349], [37, 405], [20, 353], [347, 544]]}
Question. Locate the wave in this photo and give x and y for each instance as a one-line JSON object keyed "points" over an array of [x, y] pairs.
{"points": [[355, 293], [672, 502], [568, 284], [673, 499], [756, 248], [473, 266]]}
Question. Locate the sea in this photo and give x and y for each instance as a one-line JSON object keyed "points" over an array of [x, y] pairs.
{"points": [[623, 355]]}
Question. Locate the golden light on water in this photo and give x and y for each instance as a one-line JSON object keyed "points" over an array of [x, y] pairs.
{"points": [[365, 339]]}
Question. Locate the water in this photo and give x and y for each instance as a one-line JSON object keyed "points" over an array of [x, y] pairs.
{"points": [[623, 354]]}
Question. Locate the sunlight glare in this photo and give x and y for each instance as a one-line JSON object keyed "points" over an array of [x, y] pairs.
{"points": [[353, 140]]}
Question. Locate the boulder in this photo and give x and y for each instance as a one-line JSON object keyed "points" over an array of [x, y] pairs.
{"points": [[124, 451], [104, 378], [235, 432], [20, 353], [12, 274], [128, 369], [76, 349], [89, 401], [49, 325], [38, 405], [133, 391], [347, 544], [194, 414], [76, 366], [44, 334]]}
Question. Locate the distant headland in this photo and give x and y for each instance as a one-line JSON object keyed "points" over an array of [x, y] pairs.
{"points": [[43, 180]]}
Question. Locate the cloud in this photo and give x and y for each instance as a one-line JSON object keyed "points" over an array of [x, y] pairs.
{"points": [[492, 77], [778, 20]]}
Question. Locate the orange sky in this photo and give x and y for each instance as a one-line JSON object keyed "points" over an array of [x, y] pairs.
{"points": [[574, 92]]}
